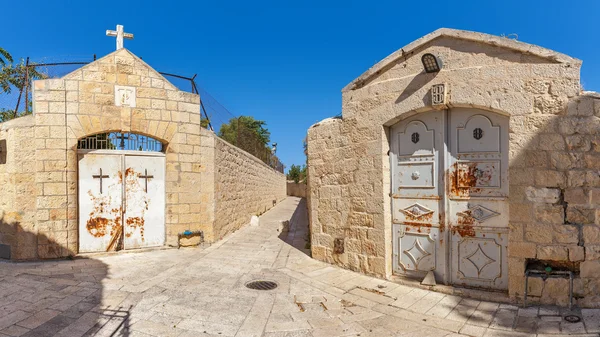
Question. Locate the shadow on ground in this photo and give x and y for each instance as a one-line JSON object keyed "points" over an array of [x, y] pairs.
{"points": [[298, 235], [53, 297]]}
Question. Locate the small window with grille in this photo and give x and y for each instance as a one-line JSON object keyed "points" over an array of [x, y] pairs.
{"points": [[120, 141]]}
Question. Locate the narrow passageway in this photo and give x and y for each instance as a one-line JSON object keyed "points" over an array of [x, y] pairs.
{"points": [[202, 292]]}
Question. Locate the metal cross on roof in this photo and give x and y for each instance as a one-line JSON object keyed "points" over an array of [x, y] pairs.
{"points": [[120, 34]]}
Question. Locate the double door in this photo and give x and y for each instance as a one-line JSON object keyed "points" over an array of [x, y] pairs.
{"points": [[121, 201], [449, 197]]}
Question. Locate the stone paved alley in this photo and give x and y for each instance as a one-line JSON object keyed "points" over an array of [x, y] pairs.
{"points": [[201, 292]]}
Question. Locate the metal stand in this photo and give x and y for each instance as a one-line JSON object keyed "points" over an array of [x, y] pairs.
{"points": [[552, 274]]}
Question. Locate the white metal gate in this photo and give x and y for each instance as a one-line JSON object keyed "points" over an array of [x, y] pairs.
{"points": [[450, 189], [121, 200]]}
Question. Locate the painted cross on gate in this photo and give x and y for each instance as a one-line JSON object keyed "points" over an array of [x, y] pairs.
{"points": [[146, 177], [100, 176]]}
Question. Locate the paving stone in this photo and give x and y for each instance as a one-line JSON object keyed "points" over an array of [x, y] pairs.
{"points": [[13, 318], [38, 319], [339, 330], [526, 324], [473, 330], [14, 330], [504, 319], [528, 312], [549, 327]]}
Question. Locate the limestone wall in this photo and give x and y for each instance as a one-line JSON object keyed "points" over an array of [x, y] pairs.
{"points": [[244, 186], [83, 103], [296, 189], [553, 153], [17, 189]]}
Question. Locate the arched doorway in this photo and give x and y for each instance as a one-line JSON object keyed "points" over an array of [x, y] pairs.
{"points": [[449, 197], [121, 192]]}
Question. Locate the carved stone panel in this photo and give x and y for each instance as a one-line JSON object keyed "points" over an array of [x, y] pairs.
{"points": [[125, 96]]}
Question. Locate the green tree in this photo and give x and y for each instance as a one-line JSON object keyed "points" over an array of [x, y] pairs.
{"points": [[294, 173], [297, 173], [15, 75], [244, 129], [4, 57], [19, 76]]}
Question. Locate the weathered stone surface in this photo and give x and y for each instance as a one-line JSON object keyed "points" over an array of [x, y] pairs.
{"points": [[576, 253], [590, 269], [543, 195], [522, 249], [580, 215], [554, 253], [551, 214], [576, 196], [591, 234]]}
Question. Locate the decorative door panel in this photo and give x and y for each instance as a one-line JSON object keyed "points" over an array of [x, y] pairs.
{"points": [[416, 143], [479, 154], [479, 257], [144, 210], [416, 250], [416, 212], [449, 190], [100, 202], [480, 212], [417, 148]]}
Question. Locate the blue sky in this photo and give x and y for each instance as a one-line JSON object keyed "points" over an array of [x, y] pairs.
{"points": [[286, 62]]}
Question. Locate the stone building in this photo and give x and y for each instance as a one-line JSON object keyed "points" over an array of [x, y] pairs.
{"points": [[114, 157], [469, 155]]}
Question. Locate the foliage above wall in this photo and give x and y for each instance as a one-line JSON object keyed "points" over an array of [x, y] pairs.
{"points": [[17, 76]]}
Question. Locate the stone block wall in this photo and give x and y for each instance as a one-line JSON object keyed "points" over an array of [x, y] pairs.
{"points": [[553, 155], [555, 200], [244, 186], [18, 234], [296, 189]]}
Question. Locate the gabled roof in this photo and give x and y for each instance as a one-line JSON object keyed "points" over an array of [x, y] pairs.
{"points": [[124, 53], [493, 40]]}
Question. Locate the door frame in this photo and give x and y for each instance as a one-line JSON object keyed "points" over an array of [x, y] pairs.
{"points": [[122, 154]]}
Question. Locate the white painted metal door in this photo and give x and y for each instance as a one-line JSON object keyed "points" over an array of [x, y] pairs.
{"points": [[478, 192], [418, 143], [100, 201], [121, 201], [450, 184], [144, 211]]}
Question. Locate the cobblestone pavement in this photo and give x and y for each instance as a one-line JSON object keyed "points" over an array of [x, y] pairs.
{"points": [[201, 292]]}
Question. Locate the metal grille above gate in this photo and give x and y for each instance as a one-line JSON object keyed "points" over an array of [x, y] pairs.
{"points": [[120, 141]]}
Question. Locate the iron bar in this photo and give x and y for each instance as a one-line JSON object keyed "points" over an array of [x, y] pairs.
{"points": [[27, 85], [552, 274], [20, 93]]}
